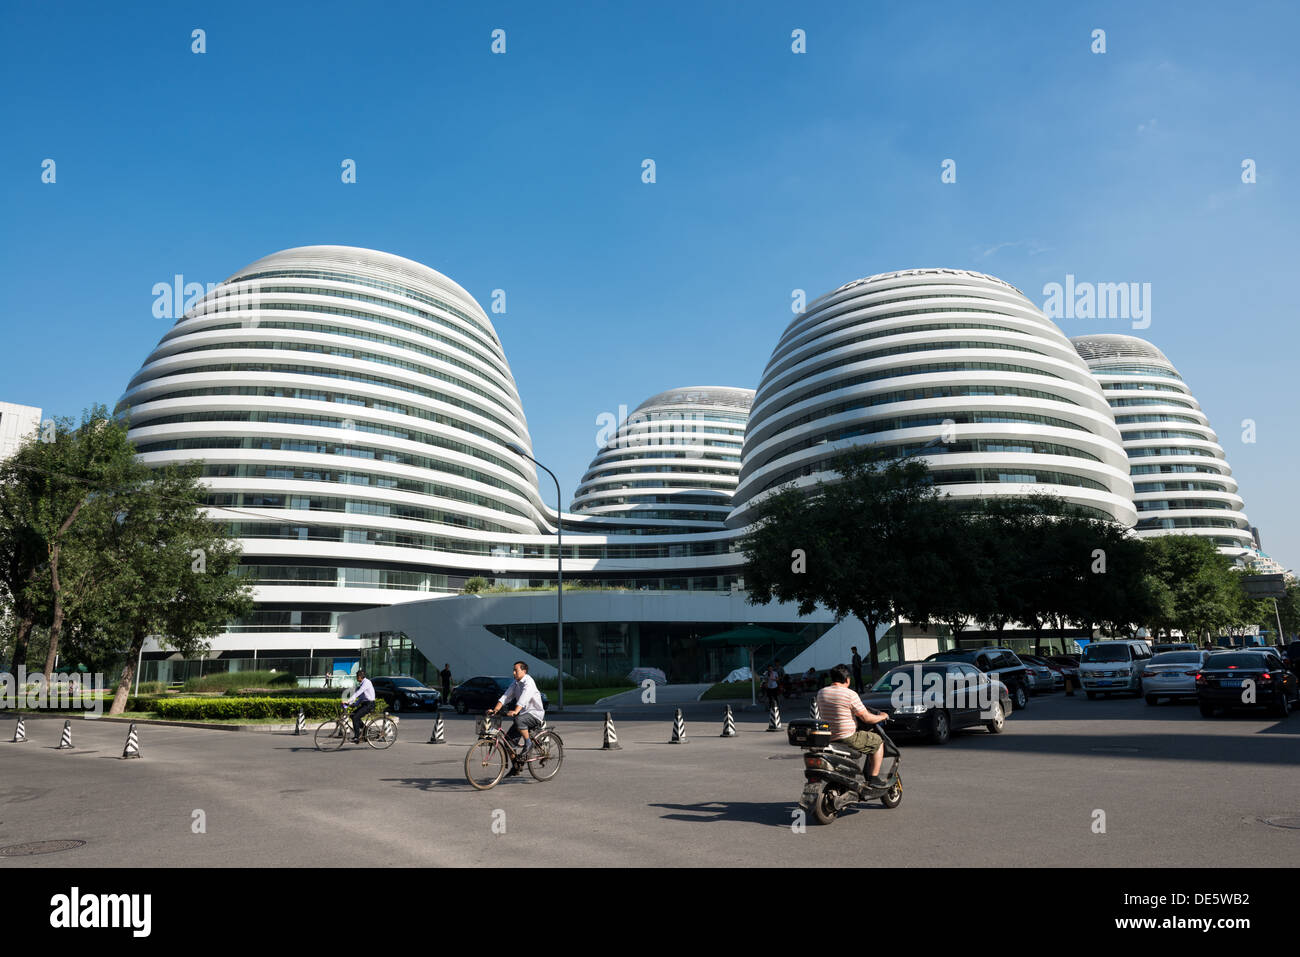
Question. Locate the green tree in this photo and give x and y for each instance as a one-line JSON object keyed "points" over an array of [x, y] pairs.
{"points": [[51, 489], [169, 572], [856, 545]]}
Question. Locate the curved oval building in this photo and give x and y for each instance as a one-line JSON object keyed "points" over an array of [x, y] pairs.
{"points": [[352, 410], [956, 365], [673, 463], [1182, 484]]}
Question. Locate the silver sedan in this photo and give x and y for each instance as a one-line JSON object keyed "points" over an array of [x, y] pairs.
{"points": [[1172, 674]]}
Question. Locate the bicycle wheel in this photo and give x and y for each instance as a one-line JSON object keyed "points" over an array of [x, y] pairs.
{"points": [[550, 754], [381, 733], [330, 736], [486, 764]]}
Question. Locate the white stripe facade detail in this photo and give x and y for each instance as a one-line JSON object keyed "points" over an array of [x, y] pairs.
{"points": [[17, 424], [1182, 482], [900, 359], [673, 463]]}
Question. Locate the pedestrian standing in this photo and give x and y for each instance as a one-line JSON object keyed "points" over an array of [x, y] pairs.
{"points": [[445, 675], [857, 669]]}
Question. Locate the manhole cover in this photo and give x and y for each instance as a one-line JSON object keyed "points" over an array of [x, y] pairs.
{"points": [[1124, 750], [39, 847], [1292, 822]]}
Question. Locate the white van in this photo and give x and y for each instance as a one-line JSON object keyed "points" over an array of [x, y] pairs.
{"points": [[1108, 667]]}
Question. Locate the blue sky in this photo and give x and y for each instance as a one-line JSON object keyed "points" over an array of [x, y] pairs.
{"points": [[775, 171]]}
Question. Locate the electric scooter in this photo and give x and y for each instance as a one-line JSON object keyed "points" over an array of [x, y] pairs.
{"points": [[834, 777]]}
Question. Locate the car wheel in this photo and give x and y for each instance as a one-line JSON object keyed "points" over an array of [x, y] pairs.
{"points": [[996, 723], [1092, 695], [1207, 711], [1152, 699], [460, 706], [1020, 698], [1283, 707], [396, 706], [940, 727]]}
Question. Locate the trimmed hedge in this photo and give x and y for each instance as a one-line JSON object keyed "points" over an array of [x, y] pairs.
{"points": [[225, 680], [332, 694], [206, 709]]}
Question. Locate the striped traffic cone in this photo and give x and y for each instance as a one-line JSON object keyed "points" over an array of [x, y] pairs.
{"points": [[65, 742], [20, 732], [439, 735], [611, 737], [299, 727], [679, 728], [812, 710], [774, 716], [728, 725], [132, 749]]}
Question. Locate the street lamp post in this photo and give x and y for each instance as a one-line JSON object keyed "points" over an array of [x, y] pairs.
{"points": [[559, 575]]}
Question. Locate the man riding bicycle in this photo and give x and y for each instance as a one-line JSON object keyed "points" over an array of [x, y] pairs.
{"points": [[366, 692], [528, 712]]}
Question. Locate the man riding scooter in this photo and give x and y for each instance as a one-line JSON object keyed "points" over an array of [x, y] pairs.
{"points": [[839, 705]]}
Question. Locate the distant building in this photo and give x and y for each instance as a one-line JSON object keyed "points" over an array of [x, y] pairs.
{"points": [[17, 422]]}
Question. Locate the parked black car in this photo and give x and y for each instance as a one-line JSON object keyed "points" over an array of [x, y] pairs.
{"points": [[481, 693], [404, 693], [1001, 663], [1222, 683], [945, 697]]}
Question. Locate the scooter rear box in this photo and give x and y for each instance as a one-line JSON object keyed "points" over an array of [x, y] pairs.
{"points": [[807, 733]]}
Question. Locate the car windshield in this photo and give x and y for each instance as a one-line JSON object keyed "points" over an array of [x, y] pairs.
{"points": [[1177, 658], [1106, 653], [406, 683], [503, 683], [886, 681], [953, 656]]}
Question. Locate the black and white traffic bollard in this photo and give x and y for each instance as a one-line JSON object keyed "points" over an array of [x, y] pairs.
{"points": [[132, 749], [611, 737], [679, 728], [812, 710], [439, 735], [728, 725], [65, 742], [299, 727], [773, 716], [20, 732]]}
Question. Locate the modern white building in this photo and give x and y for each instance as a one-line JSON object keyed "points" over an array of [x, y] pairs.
{"points": [[672, 465], [17, 423], [955, 364], [1182, 483], [354, 413]]}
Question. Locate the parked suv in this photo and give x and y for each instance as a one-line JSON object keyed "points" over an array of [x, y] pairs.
{"points": [[1001, 663], [1107, 667]]}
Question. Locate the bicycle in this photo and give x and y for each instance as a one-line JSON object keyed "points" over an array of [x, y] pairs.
{"points": [[380, 731], [487, 760]]}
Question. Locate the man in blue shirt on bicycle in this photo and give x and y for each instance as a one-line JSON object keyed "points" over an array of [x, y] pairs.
{"points": [[366, 693], [528, 713]]}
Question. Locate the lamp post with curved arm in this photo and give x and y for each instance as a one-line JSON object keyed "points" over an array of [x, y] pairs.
{"points": [[559, 575]]}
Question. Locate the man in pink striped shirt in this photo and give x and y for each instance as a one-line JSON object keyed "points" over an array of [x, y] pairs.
{"points": [[839, 705]]}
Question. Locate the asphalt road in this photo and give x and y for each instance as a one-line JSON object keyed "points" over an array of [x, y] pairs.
{"points": [[1176, 791]]}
